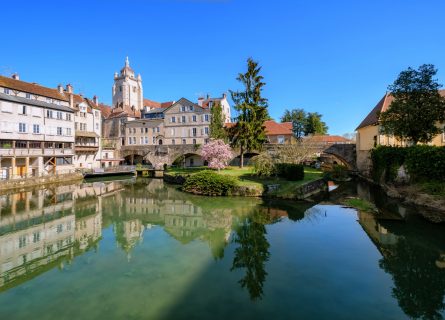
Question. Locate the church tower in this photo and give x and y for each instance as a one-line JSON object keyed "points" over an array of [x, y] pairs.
{"points": [[127, 90]]}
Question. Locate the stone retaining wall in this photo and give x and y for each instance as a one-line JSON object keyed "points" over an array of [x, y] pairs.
{"points": [[37, 181]]}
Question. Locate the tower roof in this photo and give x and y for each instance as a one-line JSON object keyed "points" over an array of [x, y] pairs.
{"points": [[126, 70]]}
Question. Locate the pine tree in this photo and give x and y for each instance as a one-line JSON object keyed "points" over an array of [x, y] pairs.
{"points": [[217, 130], [249, 132]]}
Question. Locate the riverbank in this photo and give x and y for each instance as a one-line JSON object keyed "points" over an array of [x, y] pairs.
{"points": [[250, 185], [18, 184], [415, 195]]}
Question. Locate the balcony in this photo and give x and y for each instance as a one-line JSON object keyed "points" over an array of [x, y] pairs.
{"points": [[35, 152]]}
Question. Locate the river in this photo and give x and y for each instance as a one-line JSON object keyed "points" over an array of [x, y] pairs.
{"points": [[141, 249]]}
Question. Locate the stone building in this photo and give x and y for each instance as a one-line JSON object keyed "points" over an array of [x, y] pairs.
{"points": [[369, 134], [36, 129], [209, 102]]}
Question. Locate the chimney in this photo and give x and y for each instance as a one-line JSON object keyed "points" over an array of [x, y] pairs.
{"points": [[208, 96], [60, 88], [224, 95], [15, 76], [69, 88], [96, 100], [200, 100]]}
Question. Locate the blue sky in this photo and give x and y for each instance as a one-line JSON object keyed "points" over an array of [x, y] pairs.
{"points": [[333, 57]]}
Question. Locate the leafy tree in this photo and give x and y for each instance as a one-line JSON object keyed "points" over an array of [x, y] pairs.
{"points": [[314, 125], [249, 132], [298, 119], [417, 106], [217, 130], [217, 153]]}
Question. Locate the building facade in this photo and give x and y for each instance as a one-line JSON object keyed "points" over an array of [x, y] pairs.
{"points": [[369, 134]]}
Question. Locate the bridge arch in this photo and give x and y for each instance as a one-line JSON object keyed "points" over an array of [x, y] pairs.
{"points": [[189, 159]]}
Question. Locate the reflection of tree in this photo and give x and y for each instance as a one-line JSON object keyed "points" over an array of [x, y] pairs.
{"points": [[253, 252], [419, 283]]}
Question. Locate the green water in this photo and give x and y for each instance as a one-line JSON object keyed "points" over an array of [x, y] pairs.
{"points": [[143, 250]]}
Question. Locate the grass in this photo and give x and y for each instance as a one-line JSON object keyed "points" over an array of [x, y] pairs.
{"points": [[360, 204], [247, 178], [434, 188]]}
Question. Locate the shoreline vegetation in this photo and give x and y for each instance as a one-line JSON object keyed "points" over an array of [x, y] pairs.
{"points": [[246, 183]]}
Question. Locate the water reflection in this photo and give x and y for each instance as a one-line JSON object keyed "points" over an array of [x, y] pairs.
{"points": [[413, 255], [42, 230]]}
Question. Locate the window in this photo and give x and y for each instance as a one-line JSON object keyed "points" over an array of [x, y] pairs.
{"points": [[68, 131], [6, 90], [22, 110], [194, 141], [22, 241], [194, 118], [206, 117], [59, 131], [173, 119], [191, 108], [206, 130], [28, 96], [157, 129], [120, 89], [183, 119], [97, 125], [146, 140], [48, 100], [154, 130], [49, 113], [129, 140], [22, 127], [183, 108], [59, 228], [281, 139], [134, 140], [96, 114], [194, 132], [142, 130], [68, 117], [172, 132], [36, 128], [154, 140], [59, 115], [142, 140], [36, 237], [173, 141], [183, 141]]}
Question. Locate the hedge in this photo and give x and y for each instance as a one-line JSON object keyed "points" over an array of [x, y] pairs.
{"points": [[423, 162], [209, 183], [290, 171]]}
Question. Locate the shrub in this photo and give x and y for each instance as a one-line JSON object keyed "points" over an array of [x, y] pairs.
{"points": [[263, 165], [209, 183], [290, 171], [422, 162]]}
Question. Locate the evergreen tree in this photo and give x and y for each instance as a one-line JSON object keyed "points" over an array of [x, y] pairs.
{"points": [[417, 107], [298, 119], [217, 130], [314, 125], [249, 132]]}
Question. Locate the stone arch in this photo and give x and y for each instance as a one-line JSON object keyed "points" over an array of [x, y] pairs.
{"points": [[189, 159], [247, 157]]}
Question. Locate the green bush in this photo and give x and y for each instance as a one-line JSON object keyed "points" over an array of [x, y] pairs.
{"points": [[263, 165], [290, 171], [422, 162], [209, 183]]}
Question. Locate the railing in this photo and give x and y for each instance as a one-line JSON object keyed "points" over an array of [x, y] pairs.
{"points": [[35, 152]]}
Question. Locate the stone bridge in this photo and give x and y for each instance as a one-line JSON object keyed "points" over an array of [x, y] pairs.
{"points": [[158, 155], [345, 153]]}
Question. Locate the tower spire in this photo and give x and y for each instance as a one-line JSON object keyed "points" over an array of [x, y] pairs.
{"points": [[127, 63]]}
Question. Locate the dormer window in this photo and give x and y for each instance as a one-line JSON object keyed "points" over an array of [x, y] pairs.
{"points": [[6, 90], [210, 104], [191, 108], [28, 96], [183, 108]]}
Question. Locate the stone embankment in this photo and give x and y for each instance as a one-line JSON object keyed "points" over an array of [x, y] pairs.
{"points": [[301, 192], [17, 184]]}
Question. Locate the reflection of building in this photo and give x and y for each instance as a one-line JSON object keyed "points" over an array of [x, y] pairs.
{"points": [[379, 234]]}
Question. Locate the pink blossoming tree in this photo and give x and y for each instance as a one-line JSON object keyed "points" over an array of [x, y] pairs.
{"points": [[217, 154]]}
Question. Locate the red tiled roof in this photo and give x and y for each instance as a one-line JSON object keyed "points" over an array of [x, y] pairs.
{"points": [[275, 128], [382, 106], [328, 139], [105, 110], [151, 103], [272, 128], [33, 88], [166, 104]]}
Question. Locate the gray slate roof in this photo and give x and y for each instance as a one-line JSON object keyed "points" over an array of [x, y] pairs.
{"points": [[32, 102]]}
